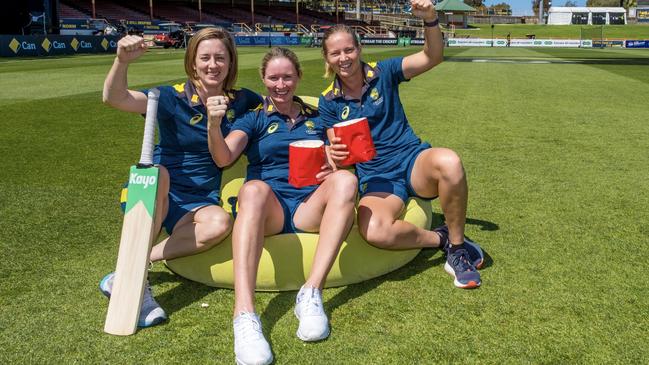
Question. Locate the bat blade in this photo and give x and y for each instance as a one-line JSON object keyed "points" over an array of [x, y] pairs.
{"points": [[134, 249]]}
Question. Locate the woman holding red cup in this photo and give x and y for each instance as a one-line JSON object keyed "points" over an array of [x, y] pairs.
{"points": [[403, 166], [356, 136], [272, 201]]}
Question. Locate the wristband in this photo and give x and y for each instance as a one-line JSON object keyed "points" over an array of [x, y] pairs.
{"points": [[434, 23]]}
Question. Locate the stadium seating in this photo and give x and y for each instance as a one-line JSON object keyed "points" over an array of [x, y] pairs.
{"points": [[287, 15], [67, 11], [187, 11], [376, 7], [234, 14], [180, 12], [107, 9]]}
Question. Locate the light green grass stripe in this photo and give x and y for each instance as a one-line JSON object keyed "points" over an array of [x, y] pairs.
{"points": [[45, 78]]}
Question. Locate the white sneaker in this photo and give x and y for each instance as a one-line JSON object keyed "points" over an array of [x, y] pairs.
{"points": [[150, 313], [250, 345], [314, 325]]}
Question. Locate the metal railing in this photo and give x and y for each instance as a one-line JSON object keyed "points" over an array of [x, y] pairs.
{"points": [[293, 28], [399, 23], [243, 27], [302, 28]]}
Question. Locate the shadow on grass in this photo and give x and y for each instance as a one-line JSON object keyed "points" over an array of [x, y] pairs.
{"points": [[185, 294], [190, 292], [484, 226], [423, 261], [438, 219], [284, 302]]}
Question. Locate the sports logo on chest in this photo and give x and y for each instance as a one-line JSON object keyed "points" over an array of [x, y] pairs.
{"points": [[345, 113], [310, 127], [230, 115], [272, 128], [196, 119], [376, 97]]}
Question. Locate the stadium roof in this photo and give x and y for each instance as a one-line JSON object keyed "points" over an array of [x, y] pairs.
{"points": [[453, 5], [584, 9]]}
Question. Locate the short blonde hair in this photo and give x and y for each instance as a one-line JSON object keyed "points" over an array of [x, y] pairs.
{"points": [[192, 48], [328, 33], [280, 52]]}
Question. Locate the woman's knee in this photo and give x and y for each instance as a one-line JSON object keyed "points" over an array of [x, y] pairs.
{"points": [[212, 225], [375, 230], [344, 184], [254, 193], [449, 164]]}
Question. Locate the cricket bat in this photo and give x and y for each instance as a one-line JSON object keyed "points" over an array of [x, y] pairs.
{"points": [[137, 233]]}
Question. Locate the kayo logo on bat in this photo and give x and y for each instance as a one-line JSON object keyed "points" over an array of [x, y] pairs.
{"points": [[142, 180]]}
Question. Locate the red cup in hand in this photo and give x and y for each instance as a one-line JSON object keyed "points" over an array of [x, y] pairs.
{"points": [[355, 134], [305, 160]]}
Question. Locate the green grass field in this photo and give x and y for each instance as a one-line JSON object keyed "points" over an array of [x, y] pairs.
{"points": [[629, 31], [556, 156]]}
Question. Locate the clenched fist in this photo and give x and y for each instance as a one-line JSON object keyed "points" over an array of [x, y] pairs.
{"points": [[129, 48], [423, 9], [216, 108]]}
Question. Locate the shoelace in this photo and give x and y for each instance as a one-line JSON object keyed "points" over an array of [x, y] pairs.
{"points": [[249, 327], [459, 260], [311, 302], [148, 297]]}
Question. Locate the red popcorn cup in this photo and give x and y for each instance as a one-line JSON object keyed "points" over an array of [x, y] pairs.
{"points": [[305, 160], [356, 135]]}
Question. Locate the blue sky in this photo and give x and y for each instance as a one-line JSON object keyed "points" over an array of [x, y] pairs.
{"points": [[524, 7]]}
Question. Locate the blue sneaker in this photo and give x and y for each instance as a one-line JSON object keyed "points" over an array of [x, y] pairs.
{"points": [[150, 313], [476, 255], [458, 265]]}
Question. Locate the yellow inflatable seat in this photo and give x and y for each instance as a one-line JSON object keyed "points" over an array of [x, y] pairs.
{"points": [[286, 258]]}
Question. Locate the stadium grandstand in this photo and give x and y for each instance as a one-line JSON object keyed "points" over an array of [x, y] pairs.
{"points": [[170, 23], [377, 19], [240, 16], [54, 27]]}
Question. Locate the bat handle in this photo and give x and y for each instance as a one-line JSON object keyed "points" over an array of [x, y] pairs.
{"points": [[146, 157]]}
